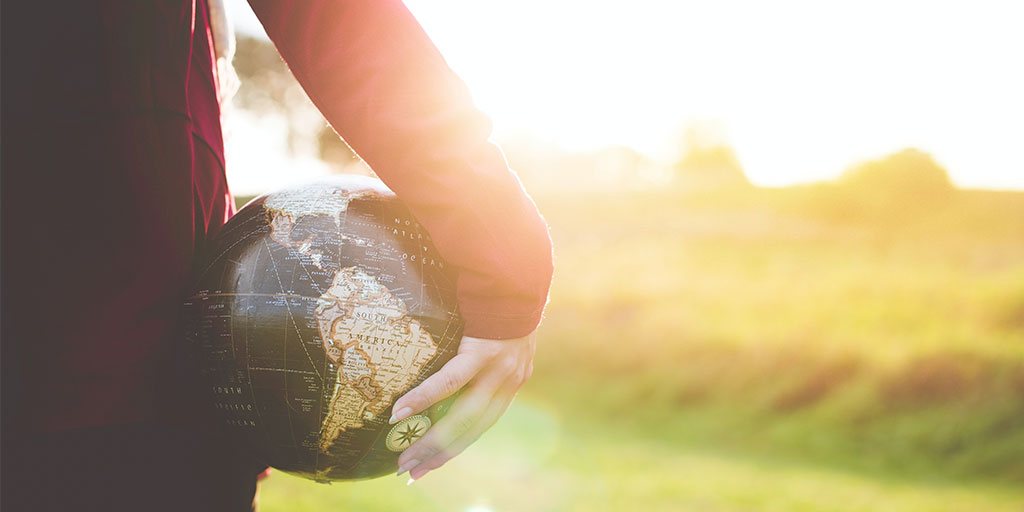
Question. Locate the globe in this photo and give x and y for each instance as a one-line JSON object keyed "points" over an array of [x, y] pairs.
{"points": [[315, 308]]}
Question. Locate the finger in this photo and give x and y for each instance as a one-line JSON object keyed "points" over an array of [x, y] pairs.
{"points": [[463, 415], [449, 379], [494, 411]]}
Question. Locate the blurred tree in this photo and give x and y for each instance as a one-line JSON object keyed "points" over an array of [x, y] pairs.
{"points": [[905, 174], [269, 89], [332, 149], [708, 161], [906, 186], [265, 78]]}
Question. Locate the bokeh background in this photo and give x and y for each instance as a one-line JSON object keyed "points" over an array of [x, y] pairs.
{"points": [[789, 251]]}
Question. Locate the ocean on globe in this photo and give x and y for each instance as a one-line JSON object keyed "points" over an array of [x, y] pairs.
{"points": [[316, 307]]}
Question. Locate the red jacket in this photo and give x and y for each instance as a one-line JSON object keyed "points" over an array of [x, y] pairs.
{"points": [[113, 176]]}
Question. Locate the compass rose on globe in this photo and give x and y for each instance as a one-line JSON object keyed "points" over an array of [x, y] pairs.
{"points": [[406, 432]]}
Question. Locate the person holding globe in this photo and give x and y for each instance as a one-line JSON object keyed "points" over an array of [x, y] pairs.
{"points": [[113, 178]]}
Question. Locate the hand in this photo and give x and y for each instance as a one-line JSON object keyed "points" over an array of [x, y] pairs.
{"points": [[492, 371]]}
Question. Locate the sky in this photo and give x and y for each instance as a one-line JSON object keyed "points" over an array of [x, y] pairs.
{"points": [[800, 89]]}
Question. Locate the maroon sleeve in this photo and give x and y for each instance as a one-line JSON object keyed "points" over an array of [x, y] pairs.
{"points": [[384, 87]]}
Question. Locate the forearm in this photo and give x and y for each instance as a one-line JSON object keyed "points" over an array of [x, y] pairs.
{"points": [[382, 84]]}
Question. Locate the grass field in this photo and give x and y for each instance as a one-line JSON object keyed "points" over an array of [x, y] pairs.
{"points": [[792, 349]]}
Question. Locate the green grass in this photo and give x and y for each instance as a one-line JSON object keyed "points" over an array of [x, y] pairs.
{"points": [[539, 460], [795, 349]]}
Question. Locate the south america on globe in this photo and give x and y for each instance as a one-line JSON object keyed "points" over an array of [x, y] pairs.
{"points": [[315, 308]]}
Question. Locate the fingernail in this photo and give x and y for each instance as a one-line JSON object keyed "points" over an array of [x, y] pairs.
{"points": [[407, 466], [411, 480], [400, 415]]}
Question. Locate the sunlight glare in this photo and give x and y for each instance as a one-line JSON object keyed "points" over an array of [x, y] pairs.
{"points": [[804, 88]]}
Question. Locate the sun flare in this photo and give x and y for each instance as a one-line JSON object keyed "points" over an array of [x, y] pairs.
{"points": [[801, 89], [804, 89]]}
